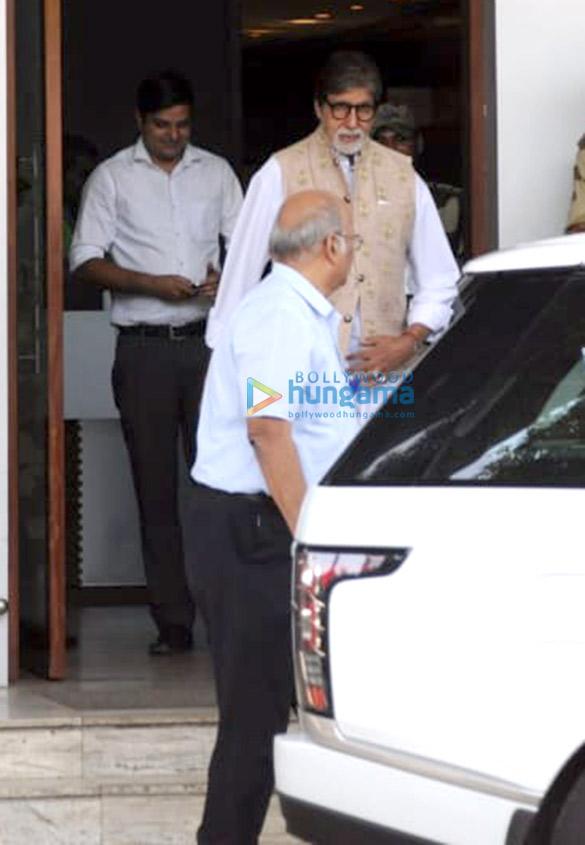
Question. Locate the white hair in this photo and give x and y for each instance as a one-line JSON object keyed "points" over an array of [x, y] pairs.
{"points": [[323, 220]]}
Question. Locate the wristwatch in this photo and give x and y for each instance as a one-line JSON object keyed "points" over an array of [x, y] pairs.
{"points": [[418, 344]]}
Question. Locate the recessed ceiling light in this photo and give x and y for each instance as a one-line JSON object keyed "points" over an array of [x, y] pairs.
{"points": [[304, 21], [356, 7], [324, 16]]}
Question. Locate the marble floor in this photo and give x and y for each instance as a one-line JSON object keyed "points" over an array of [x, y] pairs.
{"points": [[113, 685], [110, 668]]}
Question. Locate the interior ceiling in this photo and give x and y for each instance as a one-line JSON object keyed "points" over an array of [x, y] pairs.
{"points": [[267, 20]]}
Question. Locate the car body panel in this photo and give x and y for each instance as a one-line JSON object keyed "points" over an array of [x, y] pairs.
{"points": [[437, 686], [552, 252], [453, 691], [389, 797]]}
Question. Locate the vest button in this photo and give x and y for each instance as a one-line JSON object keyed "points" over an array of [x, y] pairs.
{"points": [[347, 318], [361, 277]]}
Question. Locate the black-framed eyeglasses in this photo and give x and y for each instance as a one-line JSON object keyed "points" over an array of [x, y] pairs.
{"points": [[341, 110]]}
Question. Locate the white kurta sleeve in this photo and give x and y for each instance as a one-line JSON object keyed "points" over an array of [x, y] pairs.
{"points": [[231, 201], [434, 269], [248, 247]]}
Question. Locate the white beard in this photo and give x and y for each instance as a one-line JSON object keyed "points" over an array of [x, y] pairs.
{"points": [[352, 147]]}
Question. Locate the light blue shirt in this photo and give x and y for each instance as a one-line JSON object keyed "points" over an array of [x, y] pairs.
{"points": [[283, 335]]}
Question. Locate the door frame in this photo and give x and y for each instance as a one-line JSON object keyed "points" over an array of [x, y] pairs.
{"points": [[55, 258], [54, 283], [482, 140], [12, 202]]}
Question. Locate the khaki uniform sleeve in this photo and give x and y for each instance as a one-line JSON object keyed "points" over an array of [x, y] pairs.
{"points": [[577, 208]]}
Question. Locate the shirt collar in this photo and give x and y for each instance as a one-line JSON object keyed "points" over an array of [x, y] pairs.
{"points": [[305, 289], [190, 155]]}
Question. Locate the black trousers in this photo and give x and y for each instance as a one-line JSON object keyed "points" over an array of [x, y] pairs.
{"points": [[157, 386], [241, 568]]}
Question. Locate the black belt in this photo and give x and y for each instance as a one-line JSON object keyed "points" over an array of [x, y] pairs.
{"points": [[260, 498], [253, 498], [169, 332]]}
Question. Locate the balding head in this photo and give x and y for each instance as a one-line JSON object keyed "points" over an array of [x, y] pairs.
{"points": [[312, 235], [303, 223]]}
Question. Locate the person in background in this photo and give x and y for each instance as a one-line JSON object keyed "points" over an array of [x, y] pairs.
{"points": [[80, 158], [392, 210], [395, 127], [149, 230], [576, 221]]}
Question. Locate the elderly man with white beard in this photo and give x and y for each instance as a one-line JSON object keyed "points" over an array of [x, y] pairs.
{"points": [[392, 212]]}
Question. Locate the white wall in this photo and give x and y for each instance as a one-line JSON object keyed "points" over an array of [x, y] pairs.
{"points": [[3, 357], [110, 530], [540, 66], [89, 343]]}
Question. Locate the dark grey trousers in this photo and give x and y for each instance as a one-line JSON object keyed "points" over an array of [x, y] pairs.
{"points": [[241, 570], [157, 386]]}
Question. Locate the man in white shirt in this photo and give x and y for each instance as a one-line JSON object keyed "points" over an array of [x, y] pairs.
{"points": [[254, 463], [149, 229], [392, 211]]}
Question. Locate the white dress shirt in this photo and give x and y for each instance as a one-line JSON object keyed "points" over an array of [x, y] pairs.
{"points": [[434, 271], [150, 220], [283, 327]]}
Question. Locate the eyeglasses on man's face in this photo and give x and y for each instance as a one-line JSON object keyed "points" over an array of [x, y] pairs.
{"points": [[355, 240], [363, 111]]}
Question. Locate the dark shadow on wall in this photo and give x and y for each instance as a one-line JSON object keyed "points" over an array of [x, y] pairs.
{"points": [[254, 97], [418, 62], [108, 47]]}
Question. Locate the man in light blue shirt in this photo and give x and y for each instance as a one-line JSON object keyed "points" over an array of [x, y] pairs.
{"points": [[256, 455]]}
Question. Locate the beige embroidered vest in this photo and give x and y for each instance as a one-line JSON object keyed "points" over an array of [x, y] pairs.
{"points": [[383, 214]]}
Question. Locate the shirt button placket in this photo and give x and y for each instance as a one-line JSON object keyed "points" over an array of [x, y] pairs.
{"points": [[175, 223]]}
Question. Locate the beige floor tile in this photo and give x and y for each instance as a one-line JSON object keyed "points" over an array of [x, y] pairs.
{"points": [[172, 820], [50, 822], [23, 706], [40, 752], [157, 750], [167, 820]]}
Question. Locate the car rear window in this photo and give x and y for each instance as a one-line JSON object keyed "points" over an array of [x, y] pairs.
{"points": [[499, 400]]}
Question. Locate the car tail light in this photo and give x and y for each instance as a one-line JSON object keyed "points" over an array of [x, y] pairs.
{"points": [[316, 572]]}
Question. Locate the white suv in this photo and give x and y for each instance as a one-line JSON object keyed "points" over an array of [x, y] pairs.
{"points": [[439, 608]]}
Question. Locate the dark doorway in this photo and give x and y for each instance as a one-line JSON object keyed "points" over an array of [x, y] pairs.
{"points": [[252, 69], [102, 66], [420, 48]]}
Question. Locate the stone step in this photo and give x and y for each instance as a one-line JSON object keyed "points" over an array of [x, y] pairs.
{"points": [[109, 745], [109, 778], [115, 820]]}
